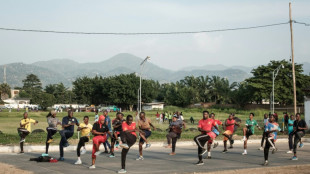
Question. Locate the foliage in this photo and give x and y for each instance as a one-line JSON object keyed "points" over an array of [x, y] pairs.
{"points": [[5, 91]]}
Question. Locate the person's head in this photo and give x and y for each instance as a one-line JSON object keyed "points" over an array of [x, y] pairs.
{"points": [[251, 116], [292, 117], [230, 117], [265, 116], [177, 113], [174, 118], [70, 113], [142, 115], [119, 115], [105, 112], [101, 119], [129, 119], [298, 116], [271, 118], [25, 115], [212, 115], [205, 115], [85, 119]]}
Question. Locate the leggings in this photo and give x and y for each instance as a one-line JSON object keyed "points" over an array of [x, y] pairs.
{"points": [[50, 133], [297, 138], [201, 141], [267, 147], [172, 136], [290, 140], [82, 142], [130, 140], [263, 139], [22, 133], [97, 140]]}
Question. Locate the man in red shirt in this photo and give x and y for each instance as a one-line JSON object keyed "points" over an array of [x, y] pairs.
{"points": [[230, 124], [205, 127], [215, 129]]}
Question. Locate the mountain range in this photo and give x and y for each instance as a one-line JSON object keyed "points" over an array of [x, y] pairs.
{"points": [[65, 70]]}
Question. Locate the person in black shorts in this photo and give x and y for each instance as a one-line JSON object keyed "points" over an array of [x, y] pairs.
{"points": [[117, 129], [299, 127]]}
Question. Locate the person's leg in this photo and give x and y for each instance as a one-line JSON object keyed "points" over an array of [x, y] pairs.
{"points": [[262, 141], [290, 141], [296, 141], [266, 150], [50, 133], [130, 140], [201, 141], [225, 145], [169, 138], [142, 135], [124, 154], [174, 142]]}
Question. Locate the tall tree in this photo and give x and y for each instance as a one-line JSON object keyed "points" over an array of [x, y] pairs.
{"points": [[5, 91], [32, 85]]}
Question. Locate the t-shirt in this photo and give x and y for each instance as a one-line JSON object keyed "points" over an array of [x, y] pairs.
{"points": [[29, 121], [103, 128], [273, 126], [290, 128], [52, 122], [218, 122], [96, 118], [206, 124], [127, 127], [170, 116], [145, 125], [67, 120], [300, 123], [230, 127], [108, 121], [86, 131], [181, 117], [176, 126], [251, 124], [116, 122]]}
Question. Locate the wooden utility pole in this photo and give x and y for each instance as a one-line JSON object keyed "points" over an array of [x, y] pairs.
{"points": [[293, 65]]}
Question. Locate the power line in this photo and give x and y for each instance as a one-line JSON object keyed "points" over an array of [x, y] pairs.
{"points": [[301, 23], [151, 33]]}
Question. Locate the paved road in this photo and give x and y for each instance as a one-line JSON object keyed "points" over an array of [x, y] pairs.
{"points": [[157, 160]]}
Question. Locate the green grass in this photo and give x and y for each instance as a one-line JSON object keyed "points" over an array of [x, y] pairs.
{"points": [[9, 122]]}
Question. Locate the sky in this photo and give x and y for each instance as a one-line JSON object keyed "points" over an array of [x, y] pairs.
{"points": [[243, 47]]}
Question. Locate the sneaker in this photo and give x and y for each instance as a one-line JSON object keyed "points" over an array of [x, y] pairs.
{"points": [[199, 163], [122, 171], [125, 146], [111, 156], [147, 145], [244, 153], [92, 167], [295, 158], [301, 145], [44, 154], [204, 151], [97, 153], [265, 163], [172, 153], [274, 150], [78, 162], [215, 145], [208, 157], [261, 148], [61, 159], [66, 145], [230, 147], [83, 151], [224, 151], [22, 140], [289, 151], [140, 158], [244, 139], [168, 146], [50, 141], [21, 152], [232, 141]]}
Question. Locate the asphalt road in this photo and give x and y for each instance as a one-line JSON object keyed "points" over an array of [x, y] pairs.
{"points": [[157, 160]]}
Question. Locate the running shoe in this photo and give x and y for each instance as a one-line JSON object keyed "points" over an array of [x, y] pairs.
{"points": [[92, 167], [215, 145], [61, 159], [244, 139], [244, 153], [125, 146], [21, 152], [122, 171], [289, 151], [112, 155], [301, 145], [97, 153], [208, 157], [78, 162], [199, 163], [204, 151], [274, 150], [50, 141], [22, 140], [230, 147], [83, 151], [295, 158], [224, 151], [261, 148], [147, 145], [140, 158], [265, 163]]}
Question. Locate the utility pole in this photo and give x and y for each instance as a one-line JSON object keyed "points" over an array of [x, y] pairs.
{"points": [[4, 74], [293, 65]]}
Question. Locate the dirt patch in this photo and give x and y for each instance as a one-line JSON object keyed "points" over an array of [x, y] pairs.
{"points": [[9, 169], [300, 169]]}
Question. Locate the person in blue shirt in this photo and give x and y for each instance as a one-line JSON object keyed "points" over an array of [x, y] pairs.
{"points": [[290, 133], [108, 122], [68, 123]]}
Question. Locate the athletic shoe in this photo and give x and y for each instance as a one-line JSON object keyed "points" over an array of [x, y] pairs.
{"points": [[215, 145], [50, 141], [122, 171], [61, 159], [125, 146], [301, 145], [140, 158], [116, 148], [168, 146], [83, 151], [92, 167], [232, 141], [261, 148], [147, 145], [21, 152], [289, 151], [97, 153], [244, 153], [295, 158], [199, 163], [78, 162], [274, 150], [172, 153], [111, 156], [44, 154], [265, 163], [244, 139], [204, 151], [230, 147], [224, 151], [66, 145], [22, 140], [208, 157]]}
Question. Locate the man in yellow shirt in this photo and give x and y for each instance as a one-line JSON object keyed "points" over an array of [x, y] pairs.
{"points": [[25, 129], [85, 129]]}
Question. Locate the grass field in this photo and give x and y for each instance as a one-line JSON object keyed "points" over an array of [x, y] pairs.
{"points": [[9, 122]]}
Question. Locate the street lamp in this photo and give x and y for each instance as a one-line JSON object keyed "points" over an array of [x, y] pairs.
{"points": [[140, 89], [274, 75]]}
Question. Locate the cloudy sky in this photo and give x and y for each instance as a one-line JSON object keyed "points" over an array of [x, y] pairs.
{"points": [[243, 47]]}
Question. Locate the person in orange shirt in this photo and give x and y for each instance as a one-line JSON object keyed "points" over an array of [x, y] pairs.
{"points": [[229, 130]]}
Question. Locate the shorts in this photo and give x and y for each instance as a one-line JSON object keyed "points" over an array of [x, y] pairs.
{"points": [[113, 139], [227, 132], [147, 134], [248, 133], [212, 136]]}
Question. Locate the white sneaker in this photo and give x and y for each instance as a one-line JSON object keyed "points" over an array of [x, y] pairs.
{"points": [[97, 153], [244, 139], [92, 167], [261, 148], [140, 158], [125, 146], [244, 153], [22, 140], [122, 171], [78, 162], [83, 151], [289, 151]]}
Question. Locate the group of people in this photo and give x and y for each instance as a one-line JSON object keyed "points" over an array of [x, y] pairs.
{"points": [[124, 133]]}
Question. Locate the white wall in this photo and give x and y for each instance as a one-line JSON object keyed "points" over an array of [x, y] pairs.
{"points": [[307, 111]]}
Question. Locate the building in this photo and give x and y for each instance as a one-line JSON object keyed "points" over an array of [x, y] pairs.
{"points": [[153, 106]]}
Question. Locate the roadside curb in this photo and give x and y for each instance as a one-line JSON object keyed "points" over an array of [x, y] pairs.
{"points": [[54, 148]]}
